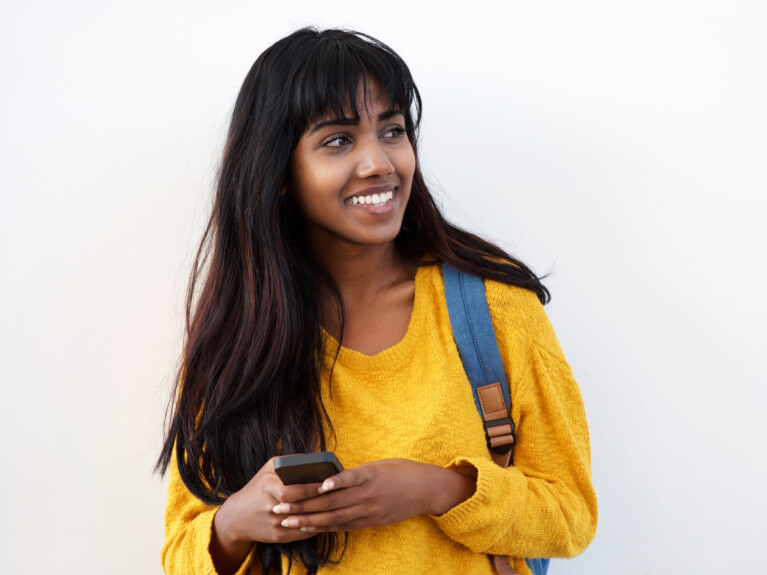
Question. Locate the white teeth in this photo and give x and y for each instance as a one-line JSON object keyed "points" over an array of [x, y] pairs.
{"points": [[375, 200]]}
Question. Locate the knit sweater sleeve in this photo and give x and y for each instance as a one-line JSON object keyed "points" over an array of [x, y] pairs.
{"points": [[544, 505], [188, 529]]}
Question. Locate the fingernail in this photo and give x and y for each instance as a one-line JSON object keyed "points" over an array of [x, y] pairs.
{"points": [[327, 486], [303, 529], [285, 523]]}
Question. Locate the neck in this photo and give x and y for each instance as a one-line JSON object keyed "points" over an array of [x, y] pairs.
{"points": [[360, 272], [377, 288]]}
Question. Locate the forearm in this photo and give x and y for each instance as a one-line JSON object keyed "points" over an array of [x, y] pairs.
{"points": [[544, 505], [190, 534], [511, 514], [227, 551], [447, 488], [189, 545]]}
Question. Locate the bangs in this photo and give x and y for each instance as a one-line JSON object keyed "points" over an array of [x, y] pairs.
{"points": [[327, 82]]}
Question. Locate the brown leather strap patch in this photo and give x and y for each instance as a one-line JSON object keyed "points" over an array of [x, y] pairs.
{"points": [[498, 430], [491, 401], [502, 440], [501, 459], [503, 565]]}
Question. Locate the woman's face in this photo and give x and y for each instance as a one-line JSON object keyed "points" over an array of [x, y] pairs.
{"points": [[351, 177]]}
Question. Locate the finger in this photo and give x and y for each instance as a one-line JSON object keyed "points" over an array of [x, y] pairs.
{"points": [[347, 478], [290, 493], [277, 533], [327, 519], [319, 503], [361, 523], [284, 535]]}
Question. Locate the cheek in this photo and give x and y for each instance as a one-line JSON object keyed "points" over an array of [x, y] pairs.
{"points": [[406, 165], [314, 186]]}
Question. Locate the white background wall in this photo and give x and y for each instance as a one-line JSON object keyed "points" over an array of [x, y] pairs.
{"points": [[619, 146]]}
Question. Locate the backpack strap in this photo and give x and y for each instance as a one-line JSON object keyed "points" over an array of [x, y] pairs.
{"points": [[475, 338]]}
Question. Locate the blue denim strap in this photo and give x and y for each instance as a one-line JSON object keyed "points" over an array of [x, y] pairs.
{"points": [[538, 566], [475, 338], [473, 331]]}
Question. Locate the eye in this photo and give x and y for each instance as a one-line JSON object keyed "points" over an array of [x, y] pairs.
{"points": [[336, 141], [393, 133]]}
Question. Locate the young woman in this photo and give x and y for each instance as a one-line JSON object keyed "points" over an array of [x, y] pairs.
{"points": [[316, 320]]}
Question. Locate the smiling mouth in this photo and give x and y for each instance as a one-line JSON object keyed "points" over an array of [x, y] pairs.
{"points": [[373, 200]]}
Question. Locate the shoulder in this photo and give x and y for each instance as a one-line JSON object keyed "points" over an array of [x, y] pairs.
{"points": [[518, 313]]}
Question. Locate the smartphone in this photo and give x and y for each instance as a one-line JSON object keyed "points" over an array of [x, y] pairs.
{"points": [[307, 467]]}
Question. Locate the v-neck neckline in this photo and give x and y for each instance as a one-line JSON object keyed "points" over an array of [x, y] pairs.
{"points": [[403, 348]]}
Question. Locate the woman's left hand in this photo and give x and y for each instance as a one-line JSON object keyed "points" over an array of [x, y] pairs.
{"points": [[378, 493]]}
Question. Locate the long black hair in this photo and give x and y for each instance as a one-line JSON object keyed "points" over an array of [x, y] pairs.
{"points": [[249, 383]]}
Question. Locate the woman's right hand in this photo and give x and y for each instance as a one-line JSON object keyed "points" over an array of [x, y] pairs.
{"points": [[247, 517]]}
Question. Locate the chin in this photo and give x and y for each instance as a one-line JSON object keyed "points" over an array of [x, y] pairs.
{"points": [[380, 238]]}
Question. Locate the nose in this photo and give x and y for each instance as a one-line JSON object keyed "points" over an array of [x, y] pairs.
{"points": [[373, 160]]}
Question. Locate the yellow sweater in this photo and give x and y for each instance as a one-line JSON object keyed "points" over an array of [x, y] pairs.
{"points": [[414, 401]]}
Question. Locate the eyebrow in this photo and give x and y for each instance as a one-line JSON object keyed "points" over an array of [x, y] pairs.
{"points": [[353, 121]]}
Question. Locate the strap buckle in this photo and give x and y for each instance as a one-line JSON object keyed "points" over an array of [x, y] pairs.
{"points": [[500, 442]]}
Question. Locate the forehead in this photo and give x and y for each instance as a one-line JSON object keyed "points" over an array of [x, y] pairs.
{"points": [[369, 100]]}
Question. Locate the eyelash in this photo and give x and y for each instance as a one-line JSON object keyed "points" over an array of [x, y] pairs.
{"points": [[396, 133], [328, 143]]}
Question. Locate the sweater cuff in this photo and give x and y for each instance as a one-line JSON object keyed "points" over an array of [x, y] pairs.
{"points": [[483, 518]]}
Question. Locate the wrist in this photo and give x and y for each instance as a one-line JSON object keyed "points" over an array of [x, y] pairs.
{"points": [[450, 489], [224, 536]]}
